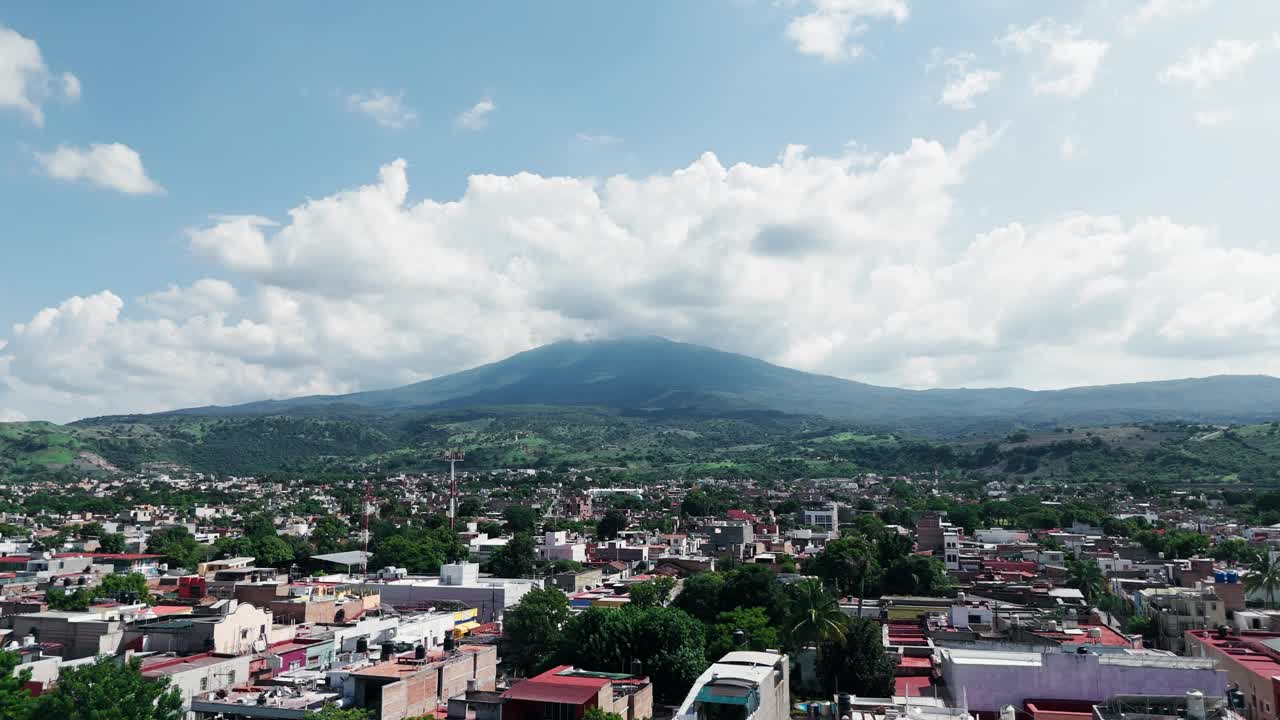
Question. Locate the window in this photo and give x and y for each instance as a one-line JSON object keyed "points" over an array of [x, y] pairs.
{"points": [[244, 633], [204, 684], [975, 619]]}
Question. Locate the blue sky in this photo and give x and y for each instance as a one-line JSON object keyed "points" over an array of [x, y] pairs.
{"points": [[1120, 152]]}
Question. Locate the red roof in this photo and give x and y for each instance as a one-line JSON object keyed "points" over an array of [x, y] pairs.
{"points": [[15, 559], [552, 687], [912, 686]]}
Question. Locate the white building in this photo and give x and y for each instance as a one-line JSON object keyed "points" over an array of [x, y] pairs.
{"points": [[741, 685], [825, 518], [557, 546], [460, 582]]}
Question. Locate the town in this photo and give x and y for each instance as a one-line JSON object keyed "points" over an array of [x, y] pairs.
{"points": [[515, 593]]}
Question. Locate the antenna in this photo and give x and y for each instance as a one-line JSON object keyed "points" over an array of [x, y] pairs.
{"points": [[367, 503], [453, 457]]}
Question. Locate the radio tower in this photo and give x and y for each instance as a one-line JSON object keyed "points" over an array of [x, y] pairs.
{"points": [[367, 502], [453, 457]]}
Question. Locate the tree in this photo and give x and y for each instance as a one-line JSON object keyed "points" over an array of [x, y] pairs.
{"points": [[1235, 550], [754, 586], [613, 522], [517, 559], [78, 600], [108, 690], [178, 547], [596, 713], [653, 593], [16, 702], [419, 550], [663, 643], [916, 575], [531, 629], [700, 596], [857, 663], [520, 518], [815, 616], [1264, 576], [329, 535], [111, 543], [849, 564], [333, 712], [1087, 577], [130, 585], [757, 632]]}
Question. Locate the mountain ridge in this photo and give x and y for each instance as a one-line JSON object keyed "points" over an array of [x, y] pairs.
{"points": [[656, 374]]}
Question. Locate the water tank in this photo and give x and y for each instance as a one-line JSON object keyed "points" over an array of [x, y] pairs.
{"points": [[362, 645], [1095, 633], [388, 650], [420, 652], [1219, 576], [1232, 577], [1008, 712], [960, 598], [448, 642], [1195, 705]]}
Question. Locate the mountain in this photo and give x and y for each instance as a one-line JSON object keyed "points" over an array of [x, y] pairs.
{"points": [[654, 375]]}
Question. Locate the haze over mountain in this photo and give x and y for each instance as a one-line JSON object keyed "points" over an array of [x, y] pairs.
{"points": [[654, 374]]}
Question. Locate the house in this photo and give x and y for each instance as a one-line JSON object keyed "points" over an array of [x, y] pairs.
{"points": [[566, 693], [741, 685], [460, 582], [1251, 661], [73, 635], [196, 674], [413, 684], [226, 627]]}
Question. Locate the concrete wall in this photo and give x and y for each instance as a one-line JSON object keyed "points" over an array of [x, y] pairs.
{"points": [[79, 637], [988, 686], [240, 629]]}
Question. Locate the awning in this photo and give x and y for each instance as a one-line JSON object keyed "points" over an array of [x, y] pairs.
{"points": [[463, 628]]}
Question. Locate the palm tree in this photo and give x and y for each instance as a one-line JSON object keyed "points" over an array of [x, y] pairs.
{"points": [[816, 617], [1264, 575], [1087, 578]]}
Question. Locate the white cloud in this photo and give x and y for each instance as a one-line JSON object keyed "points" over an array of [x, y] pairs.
{"points": [[597, 139], [7, 415], [1071, 61], [25, 81], [1070, 148], [964, 83], [110, 165], [1214, 118], [204, 297], [476, 117], [1200, 67], [1153, 10], [387, 109], [70, 87], [841, 264], [830, 26]]}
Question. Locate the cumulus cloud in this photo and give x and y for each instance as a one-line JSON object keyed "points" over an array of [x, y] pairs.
{"points": [[1153, 10], [829, 28], [109, 165], [964, 82], [841, 264], [386, 109], [1070, 61], [1200, 67], [25, 81], [476, 117]]}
